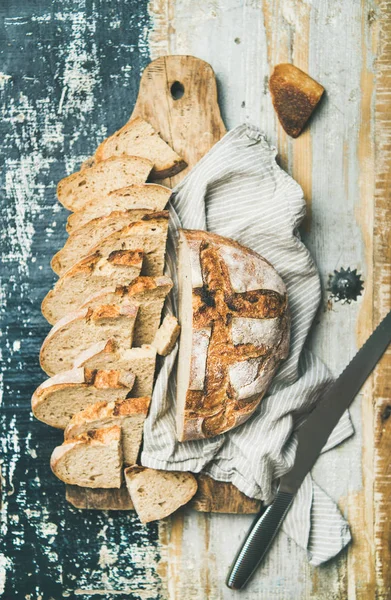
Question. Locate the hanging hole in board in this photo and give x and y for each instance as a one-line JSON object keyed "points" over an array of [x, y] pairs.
{"points": [[177, 90]]}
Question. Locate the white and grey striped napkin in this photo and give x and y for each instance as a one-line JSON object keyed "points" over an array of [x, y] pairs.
{"points": [[238, 190]]}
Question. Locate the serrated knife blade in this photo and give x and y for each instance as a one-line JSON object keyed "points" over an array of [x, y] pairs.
{"points": [[311, 436]]}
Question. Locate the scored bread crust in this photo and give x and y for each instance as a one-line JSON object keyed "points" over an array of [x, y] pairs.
{"points": [[94, 271], [117, 383], [238, 333], [71, 189], [150, 234], [99, 439], [143, 195], [157, 494], [146, 141], [86, 316], [83, 239], [295, 96]]}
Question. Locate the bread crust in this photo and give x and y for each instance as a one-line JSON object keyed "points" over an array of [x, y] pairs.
{"points": [[132, 293], [295, 96], [85, 232], [69, 185], [94, 209], [87, 267], [79, 379], [97, 314], [174, 166], [97, 437], [102, 411], [230, 350], [167, 335], [116, 238], [106, 347], [133, 473]]}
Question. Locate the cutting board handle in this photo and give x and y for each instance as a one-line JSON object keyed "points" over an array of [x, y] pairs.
{"points": [[178, 96]]}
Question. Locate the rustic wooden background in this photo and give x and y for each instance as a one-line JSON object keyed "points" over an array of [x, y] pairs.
{"points": [[69, 75]]}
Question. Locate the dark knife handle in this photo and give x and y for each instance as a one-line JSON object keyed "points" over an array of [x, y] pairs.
{"points": [[258, 540]]}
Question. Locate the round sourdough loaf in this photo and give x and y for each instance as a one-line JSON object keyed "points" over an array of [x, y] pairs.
{"points": [[233, 311]]}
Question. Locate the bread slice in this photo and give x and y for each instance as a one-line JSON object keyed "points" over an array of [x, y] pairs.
{"points": [[138, 138], [129, 414], [295, 96], [89, 276], [87, 163], [157, 494], [148, 293], [83, 239], [57, 399], [101, 178], [167, 335], [150, 234], [143, 195], [106, 355], [92, 459], [78, 330]]}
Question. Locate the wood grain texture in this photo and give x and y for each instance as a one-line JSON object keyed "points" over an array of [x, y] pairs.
{"points": [[381, 305], [337, 43], [99, 499], [69, 75], [69, 78], [193, 117], [221, 497], [361, 557]]}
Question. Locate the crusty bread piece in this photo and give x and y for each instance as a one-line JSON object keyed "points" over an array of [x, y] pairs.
{"points": [[167, 335], [150, 234], [87, 163], [92, 459], [147, 292], [57, 399], [143, 195], [78, 330], [106, 355], [89, 276], [92, 182], [129, 414], [157, 494], [138, 138], [235, 332], [83, 239], [295, 96]]}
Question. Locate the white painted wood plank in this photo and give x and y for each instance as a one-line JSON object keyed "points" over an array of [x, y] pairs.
{"points": [[233, 38]]}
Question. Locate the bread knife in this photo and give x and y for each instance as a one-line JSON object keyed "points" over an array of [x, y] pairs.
{"points": [[311, 436]]}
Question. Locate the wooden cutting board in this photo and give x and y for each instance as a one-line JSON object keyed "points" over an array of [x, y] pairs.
{"points": [[178, 96]]}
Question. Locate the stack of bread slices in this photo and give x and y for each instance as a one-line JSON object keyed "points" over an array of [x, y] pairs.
{"points": [[105, 310]]}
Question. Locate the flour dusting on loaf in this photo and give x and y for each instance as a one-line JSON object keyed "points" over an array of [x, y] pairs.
{"points": [[199, 354], [235, 332]]}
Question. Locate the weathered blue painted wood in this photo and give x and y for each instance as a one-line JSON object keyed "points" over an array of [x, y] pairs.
{"points": [[69, 75]]}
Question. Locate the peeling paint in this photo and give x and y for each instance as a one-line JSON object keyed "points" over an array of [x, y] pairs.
{"points": [[71, 76], [5, 564], [106, 557]]}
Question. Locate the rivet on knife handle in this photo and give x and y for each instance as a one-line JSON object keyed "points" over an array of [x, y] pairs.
{"points": [[258, 540]]}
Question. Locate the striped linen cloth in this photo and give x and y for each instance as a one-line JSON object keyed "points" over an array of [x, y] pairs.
{"points": [[238, 190]]}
